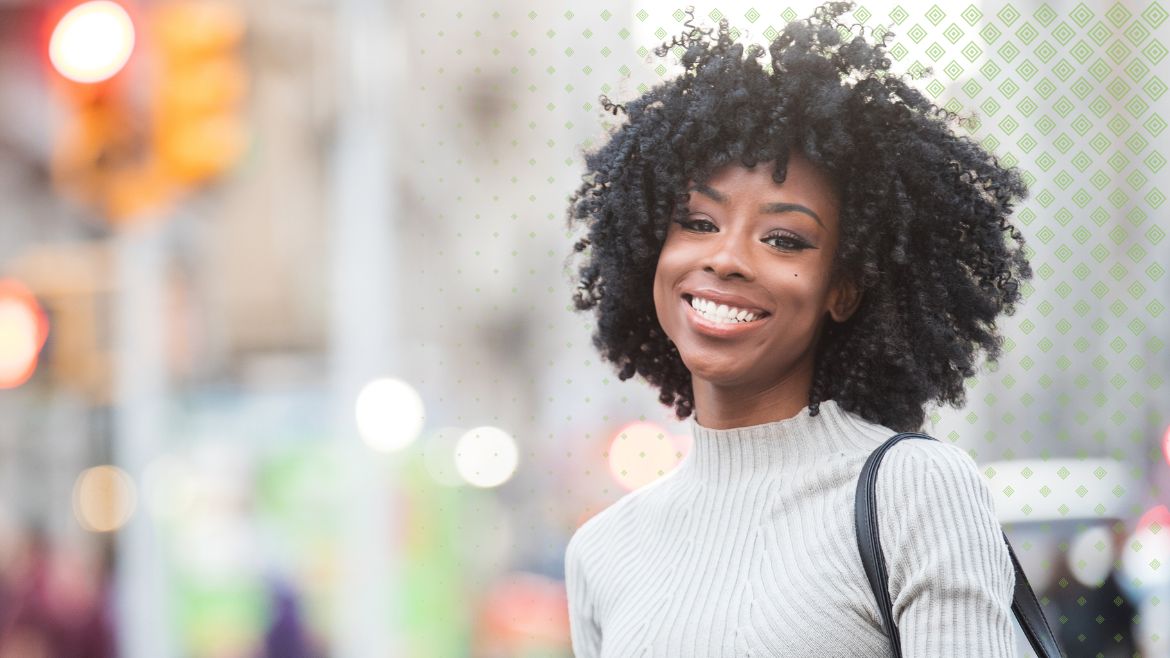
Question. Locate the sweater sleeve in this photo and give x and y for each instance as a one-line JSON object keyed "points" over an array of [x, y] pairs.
{"points": [[951, 579], [584, 632]]}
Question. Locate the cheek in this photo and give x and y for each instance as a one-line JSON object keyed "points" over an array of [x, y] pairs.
{"points": [[674, 262], [663, 284], [669, 264], [802, 290]]}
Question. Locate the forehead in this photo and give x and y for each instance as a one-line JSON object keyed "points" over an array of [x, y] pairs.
{"points": [[804, 182]]}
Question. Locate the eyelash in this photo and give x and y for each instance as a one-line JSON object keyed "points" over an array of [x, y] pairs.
{"points": [[796, 244]]}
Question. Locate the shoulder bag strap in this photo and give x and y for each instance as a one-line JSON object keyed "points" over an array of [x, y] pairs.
{"points": [[1024, 605]]}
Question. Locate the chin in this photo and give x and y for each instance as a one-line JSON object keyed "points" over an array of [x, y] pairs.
{"points": [[722, 374]]}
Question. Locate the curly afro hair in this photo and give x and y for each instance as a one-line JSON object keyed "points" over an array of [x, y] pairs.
{"points": [[923, 211]]}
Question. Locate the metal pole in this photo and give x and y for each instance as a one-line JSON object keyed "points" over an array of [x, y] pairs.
{"points": [[140, 386], [362, 333]]}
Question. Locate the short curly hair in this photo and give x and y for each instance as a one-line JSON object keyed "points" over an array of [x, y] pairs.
{"points": [[923, 211]]}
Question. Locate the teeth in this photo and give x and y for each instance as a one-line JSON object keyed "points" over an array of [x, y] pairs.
{"points": [[721, 312]]}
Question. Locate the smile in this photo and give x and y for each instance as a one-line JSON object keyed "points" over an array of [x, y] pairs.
{"points": [[719, 328]]}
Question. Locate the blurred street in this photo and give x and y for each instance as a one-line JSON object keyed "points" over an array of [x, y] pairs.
{"points": [[289, 366]]}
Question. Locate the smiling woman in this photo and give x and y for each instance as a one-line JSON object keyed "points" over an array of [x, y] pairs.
{"points": [[799, 259]]}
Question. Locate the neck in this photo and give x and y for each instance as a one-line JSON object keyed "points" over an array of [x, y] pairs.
{"points": [[721, 407], [732, 454]]}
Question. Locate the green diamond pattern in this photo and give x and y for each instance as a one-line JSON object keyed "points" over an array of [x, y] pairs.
{"points": [[1154, 51], [1118, 15], [1154, 15], [989, 33], [1008, 15], [1099, 33], [1081, 51], [1136, 33], [1044, 51], [953, 33], [1063, 33], [1081, 15]]}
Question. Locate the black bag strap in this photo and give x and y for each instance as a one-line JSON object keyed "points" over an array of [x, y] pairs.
{"points": [[1024, 604]]}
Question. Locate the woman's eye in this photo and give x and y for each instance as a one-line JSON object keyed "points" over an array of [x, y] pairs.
{"points": [[787, 242], [689, 223]]}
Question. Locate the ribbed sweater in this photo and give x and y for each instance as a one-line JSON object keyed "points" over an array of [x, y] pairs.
{"points": [[748, 548]]}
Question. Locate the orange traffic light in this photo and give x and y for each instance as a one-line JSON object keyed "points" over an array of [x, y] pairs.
{"points": [[201, 84]]}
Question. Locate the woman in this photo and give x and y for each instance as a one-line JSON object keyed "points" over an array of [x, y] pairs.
{"points": [[800, 257]]}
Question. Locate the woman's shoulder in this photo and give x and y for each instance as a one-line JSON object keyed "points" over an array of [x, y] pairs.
{"points": [[938, 457], [915, 454], [934, 481]]}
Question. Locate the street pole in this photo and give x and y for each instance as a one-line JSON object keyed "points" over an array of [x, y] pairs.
{"points": [[363, 338]]}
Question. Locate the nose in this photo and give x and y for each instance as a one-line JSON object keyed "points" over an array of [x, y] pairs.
{"points": [[728, 255]]}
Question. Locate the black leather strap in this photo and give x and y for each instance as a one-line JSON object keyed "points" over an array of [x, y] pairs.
{"points": [[1024, 604]]}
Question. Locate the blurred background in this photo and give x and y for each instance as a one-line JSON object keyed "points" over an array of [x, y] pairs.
{"points": [[288, 365]]}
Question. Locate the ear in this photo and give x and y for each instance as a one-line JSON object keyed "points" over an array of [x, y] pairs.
{"points": [[844, 300]]}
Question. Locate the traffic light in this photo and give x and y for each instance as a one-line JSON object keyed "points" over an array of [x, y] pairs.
{"points": [[154, 101], [97, 155], [198, 130]]}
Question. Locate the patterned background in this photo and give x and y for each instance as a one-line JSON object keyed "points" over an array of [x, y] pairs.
{"points": [[1071, 93]]}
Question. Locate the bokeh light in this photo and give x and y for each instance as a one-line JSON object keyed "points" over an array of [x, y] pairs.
{"points": [[390, 414], [1147, 551], [1166, 445], [526, 615], [641, 453], [23, 330], [486, 456], [103, 498], [1090, 557], [1155, 519], [92, 42]]}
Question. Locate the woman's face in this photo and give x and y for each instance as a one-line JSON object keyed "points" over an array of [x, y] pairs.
{"points": [[762, 247]]}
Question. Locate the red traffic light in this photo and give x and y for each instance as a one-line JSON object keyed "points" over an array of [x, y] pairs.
{"points": [[92, 42]]}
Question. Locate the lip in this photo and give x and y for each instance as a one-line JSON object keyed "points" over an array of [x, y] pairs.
{"points": [[727, 298], [704, 326]]}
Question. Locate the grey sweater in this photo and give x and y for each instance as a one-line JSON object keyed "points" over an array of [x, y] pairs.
{"points": [[748, 548]]}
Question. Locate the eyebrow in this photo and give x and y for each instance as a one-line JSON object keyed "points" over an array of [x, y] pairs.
{"points": [[766, 208]]}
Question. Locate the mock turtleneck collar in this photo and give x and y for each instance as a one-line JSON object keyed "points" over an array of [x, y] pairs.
{"points": [[728, 454]]}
